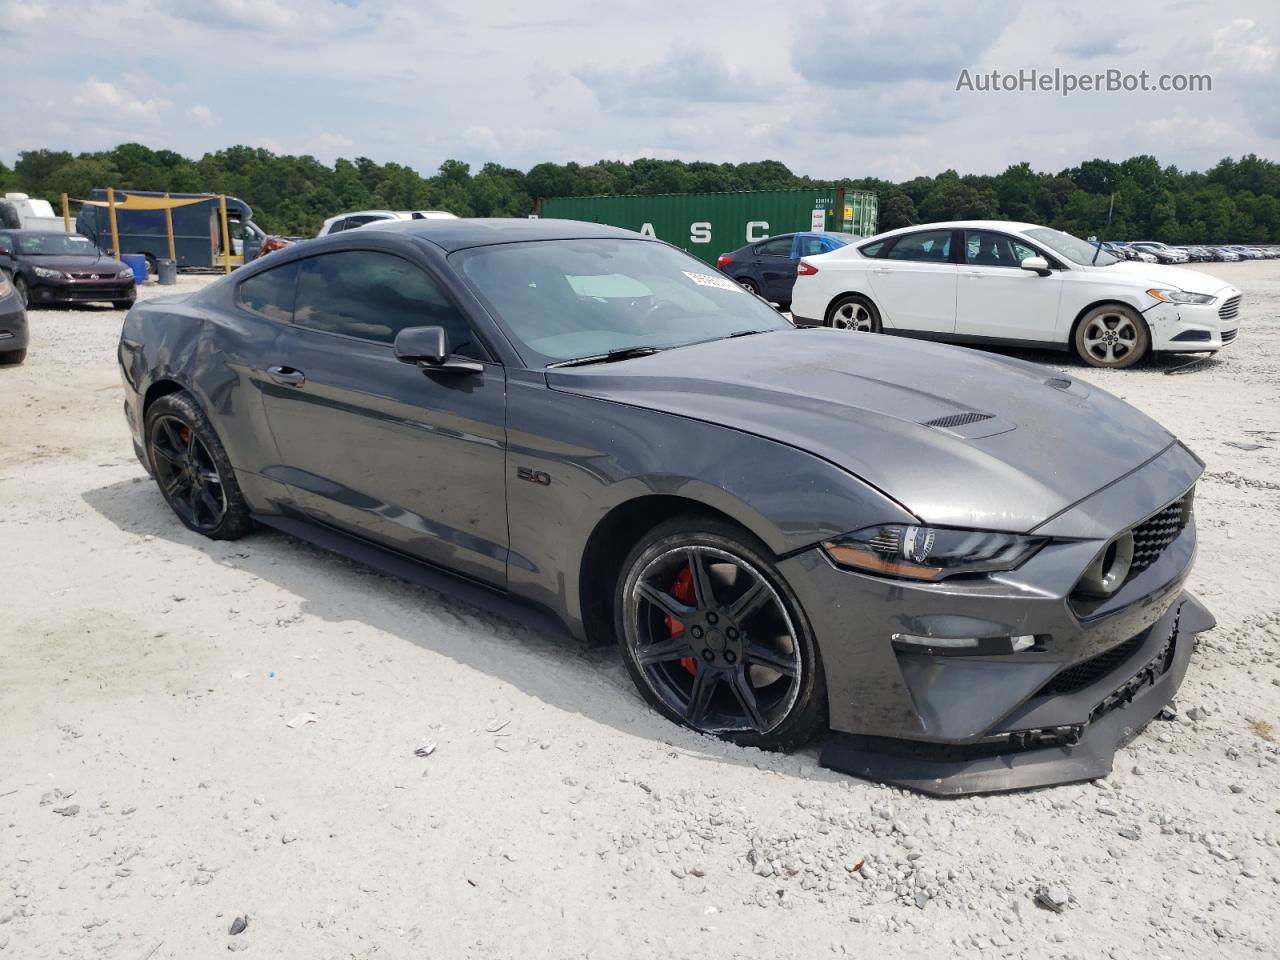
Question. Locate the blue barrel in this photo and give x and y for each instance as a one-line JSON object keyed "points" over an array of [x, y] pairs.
{"points": [[167, 272], [138, 263]]}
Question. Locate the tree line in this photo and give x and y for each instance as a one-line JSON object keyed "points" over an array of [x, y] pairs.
{"points": [[1237, 201]]}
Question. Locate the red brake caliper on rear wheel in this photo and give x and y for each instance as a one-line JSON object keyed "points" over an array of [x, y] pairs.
{"points": [[682, 590]]}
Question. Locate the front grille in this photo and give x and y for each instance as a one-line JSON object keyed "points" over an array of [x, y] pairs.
{"points": [[957, 419], [1229, 335], [1080, 675], [92, 276], [90, 293], [1152, 536], [1231, 309]]}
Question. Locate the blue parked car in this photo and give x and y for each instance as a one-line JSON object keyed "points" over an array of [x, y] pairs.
{"points": [[768, 267]]}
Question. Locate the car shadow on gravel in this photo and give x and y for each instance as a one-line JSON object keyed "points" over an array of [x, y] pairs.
{"points": [[557, 670], [1152, 363]]}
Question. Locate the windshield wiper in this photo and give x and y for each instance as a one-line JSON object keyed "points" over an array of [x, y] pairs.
{"points": [[612, 356], [743, 333]]}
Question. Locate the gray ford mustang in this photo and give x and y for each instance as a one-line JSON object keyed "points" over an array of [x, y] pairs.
{"points": [[968, 568]]}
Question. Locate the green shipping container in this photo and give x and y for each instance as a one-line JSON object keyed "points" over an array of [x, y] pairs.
{"points": [[709, 224]]}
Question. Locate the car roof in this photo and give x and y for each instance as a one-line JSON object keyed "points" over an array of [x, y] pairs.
{"points": [[466, 232], [1015, 226]]}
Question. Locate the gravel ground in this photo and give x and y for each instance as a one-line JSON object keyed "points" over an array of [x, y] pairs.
{"points": [[153, 789]]}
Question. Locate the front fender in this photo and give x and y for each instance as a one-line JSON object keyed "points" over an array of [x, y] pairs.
{"points": [[787, 497]]}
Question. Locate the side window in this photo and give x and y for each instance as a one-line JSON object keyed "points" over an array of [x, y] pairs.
{"points": [[872, 249], [373, 296], [1021, 251], [270, 293], [929, 246], [338, 226], [811, 246], [986, 249], [776, 247], [6, 245]]}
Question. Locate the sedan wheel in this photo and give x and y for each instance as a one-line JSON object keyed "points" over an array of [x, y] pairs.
{"points": [[20, 288], [855, 315], [712, 639], [749, 285], [1112, 336]]}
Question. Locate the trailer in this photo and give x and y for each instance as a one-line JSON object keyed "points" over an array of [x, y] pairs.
{"points": [[708, 224], [21, 212], [196, 226]]}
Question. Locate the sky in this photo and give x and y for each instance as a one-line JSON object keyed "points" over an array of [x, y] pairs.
{"points": [[832, 88]]}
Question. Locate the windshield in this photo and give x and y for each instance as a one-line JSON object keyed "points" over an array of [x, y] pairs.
{"points": [[565, 299], [1072, 248], [54, 245]]}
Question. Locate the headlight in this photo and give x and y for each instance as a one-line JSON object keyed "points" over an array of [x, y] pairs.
{"points": [[45, 273], [5, 289], [125, 274], [929, 553], [1180, 296]]}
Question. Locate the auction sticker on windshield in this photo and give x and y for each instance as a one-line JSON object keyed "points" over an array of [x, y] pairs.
{"points": [[710, 280]]}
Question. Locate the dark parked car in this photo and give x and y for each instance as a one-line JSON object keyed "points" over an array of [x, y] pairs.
{"points": [[968, 566], [13, 323], [769, 267], [48, 267]]}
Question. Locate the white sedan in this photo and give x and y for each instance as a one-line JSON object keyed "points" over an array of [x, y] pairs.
{"points": [[1014, 284]]}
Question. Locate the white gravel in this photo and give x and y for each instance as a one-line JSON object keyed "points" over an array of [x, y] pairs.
{"points": [[152, 789]]}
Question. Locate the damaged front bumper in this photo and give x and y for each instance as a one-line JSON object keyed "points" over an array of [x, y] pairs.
{"points": [[1042, 743]]}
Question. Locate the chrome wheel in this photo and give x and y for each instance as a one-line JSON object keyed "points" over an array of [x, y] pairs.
{"points": [[853, 316], [713, 641], [187, 474], [1110, 338]]}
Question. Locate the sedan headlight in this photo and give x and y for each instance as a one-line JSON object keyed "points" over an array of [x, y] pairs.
{"points": [[47, 273], [5, 288], [125, 274], [1180, 296], [929, 553]]}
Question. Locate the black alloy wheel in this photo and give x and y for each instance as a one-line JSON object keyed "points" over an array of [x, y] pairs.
{"points": [[714, 641], [192, 470]]}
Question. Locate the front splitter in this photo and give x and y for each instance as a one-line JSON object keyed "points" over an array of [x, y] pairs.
{"points": [[910, 765]]}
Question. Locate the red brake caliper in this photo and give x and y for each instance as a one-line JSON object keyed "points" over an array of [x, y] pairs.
{"points": [[682, 590]]}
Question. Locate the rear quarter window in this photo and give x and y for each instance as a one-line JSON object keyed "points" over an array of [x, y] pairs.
{"points": [[872, 249], [271, 293]]}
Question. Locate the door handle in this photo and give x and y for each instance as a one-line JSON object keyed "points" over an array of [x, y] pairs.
{"points": [[883, 270], [974, 275], [287, 376]]}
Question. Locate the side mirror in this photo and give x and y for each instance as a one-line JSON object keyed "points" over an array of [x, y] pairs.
{"points": [[428, 347], [1038, 265]]}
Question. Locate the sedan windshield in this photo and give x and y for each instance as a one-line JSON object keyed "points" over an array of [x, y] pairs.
{"points": [[54, 245], [570, 299], [1072, 248]]}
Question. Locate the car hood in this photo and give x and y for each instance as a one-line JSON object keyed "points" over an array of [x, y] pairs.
{"points": [[98, 264], [958, 437], [1193, 281]]}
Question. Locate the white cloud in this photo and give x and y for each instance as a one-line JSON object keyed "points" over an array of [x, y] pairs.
{"points": [[201, 114], [1242, 45], [107, 103]]}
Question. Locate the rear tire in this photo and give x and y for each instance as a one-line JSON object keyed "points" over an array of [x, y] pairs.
{"points": [[749, 285], [854, 313], [13, 356], [192, 470], [751, 673]]}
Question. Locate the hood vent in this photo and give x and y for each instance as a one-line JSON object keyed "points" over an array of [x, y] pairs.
{"points": [[958, 420], [1058, 383]]}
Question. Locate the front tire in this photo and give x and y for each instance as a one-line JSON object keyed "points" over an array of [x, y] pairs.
{"points": [[20, 288], [192, 470], [854, 313], [13, 356], [714, 638], [1113, 336]]}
